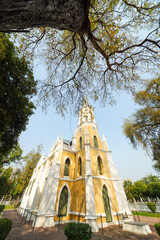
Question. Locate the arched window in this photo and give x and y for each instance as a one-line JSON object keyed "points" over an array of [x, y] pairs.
{"points": [[80, 142], [66, 169], [63, 202], [95, 141], [106, 202], [80, 166], [99, 161]]}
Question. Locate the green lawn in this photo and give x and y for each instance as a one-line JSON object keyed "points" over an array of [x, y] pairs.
{"points": [[9, 207], [146, 214]]}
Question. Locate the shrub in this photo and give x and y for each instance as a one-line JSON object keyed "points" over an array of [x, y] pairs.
{"points": [[157, 227], [152, 206], [78, 231], [1, 208], [5, 227]]}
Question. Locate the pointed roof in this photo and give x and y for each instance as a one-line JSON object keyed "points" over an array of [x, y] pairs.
{"points": [[86, 113]]}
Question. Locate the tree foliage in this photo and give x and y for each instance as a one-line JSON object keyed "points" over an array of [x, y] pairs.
{"points": [[144, 126], [23, 176], [135, 190], [156, 153], [150, 178], [5, 176], [17, 86], [153, 189], [139, 190], [148, 186], [118, 42], [128, 186], [15, 155], [14, 181]]}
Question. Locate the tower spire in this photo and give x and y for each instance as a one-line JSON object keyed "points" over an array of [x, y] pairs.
{"points": [[86, 113]]}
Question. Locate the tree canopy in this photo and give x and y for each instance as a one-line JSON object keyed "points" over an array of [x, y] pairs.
{"points": [[17, 87], [150, 178], [117, 43], [5, 176], [153, 189], [148, 186], [135, 190], [143, 127], [15, 155], [14, 181], [22, 176]]}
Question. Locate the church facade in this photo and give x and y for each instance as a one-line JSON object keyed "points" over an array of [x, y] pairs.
{"points": [[78, 181]]}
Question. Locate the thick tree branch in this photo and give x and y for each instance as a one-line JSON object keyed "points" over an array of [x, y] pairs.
{"points": [[139, 8], [67, 14]]}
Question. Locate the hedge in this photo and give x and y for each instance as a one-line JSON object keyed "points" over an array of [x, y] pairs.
{"points": [[157, 227], [78, 231], [1, 208], [5, 227], [152, 206]]}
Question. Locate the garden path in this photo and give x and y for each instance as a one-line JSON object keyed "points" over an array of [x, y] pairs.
{"points": [[23, 231]]}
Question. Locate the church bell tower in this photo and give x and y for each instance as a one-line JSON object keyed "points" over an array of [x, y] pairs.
{"points": [[77, 181]]}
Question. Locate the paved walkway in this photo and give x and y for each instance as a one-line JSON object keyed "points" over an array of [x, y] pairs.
{"points": [[21, 231]]}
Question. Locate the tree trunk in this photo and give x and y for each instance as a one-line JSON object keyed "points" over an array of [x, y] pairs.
{"points": [[17, 15]]}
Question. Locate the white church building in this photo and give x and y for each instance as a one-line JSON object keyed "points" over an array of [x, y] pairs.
{"points": [[78, 181]]}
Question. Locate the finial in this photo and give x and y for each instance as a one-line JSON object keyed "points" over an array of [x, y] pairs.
{"points": [[85, 101]]}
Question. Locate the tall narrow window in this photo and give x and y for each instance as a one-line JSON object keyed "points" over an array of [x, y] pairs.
{"points": [[63, 202], [99, 161], [66, 169], [106, 202], [80, 142], [80, 166], [95, 142]]}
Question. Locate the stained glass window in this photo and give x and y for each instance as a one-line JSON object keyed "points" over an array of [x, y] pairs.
{"points": [[80, 166], [66, 169], [106, 202], [95, 142], [99, 165], [80, 142], [63, 202]]}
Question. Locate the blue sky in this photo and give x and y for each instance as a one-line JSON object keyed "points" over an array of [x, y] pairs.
{"points": [[44, 128]]}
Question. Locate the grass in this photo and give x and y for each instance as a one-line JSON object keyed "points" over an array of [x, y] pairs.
{"points": [[9, 207], [147, 214]]}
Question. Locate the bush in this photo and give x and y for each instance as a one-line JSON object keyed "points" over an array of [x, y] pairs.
{"points": [[157, 227], [5, 227], [1, 208], [152, 206], [78, 231]]}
